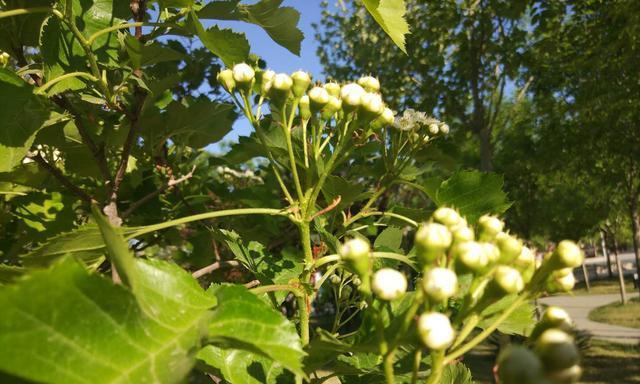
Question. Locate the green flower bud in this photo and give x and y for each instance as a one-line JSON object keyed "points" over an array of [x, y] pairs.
{"points": [[519, 365], [319, 98], [462, 233], [567, 255], [556, 317], [444, 129], [432, 239], [372, 104], [244, 75], [335, 279], [351, 96], [435, 330], [385, 119], [369, 83], [301, 82], [508, 279], [556, 350], [433, 128], [266, 80], [492, 252], [510, 247], [471, 255], [304, 107], [447, 216], [4, 59], [489, 227], [439, 284], [332, 88], [525, 259], [225, 78], [388, 284], [356, 281], [356, 255], [331, 108], [561, 281], [280, 88]]}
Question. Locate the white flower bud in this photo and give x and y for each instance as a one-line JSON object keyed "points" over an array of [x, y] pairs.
{"points": [[557, 317], [472, 255], [369, 83], [490, 226], [525, 259], [389, 284], [439, 284], [509, 279], [282, 82], [492, 252], [568, 254], [266, 80], [462, 233], [431, 240], [433, 128], [556, 350], [351, 95], [304, 107], [387, 116], [435, 330], [510, 247], [447, 216], [356, 248], [332, 88], [331, 108], [562, 282], [444, 129], [225, 78], [243, 74], [319, 97], [372, 102]]}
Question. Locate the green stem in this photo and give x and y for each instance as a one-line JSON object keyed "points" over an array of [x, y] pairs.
{"points": [[24, 11], [278, 287], [52, 82], [292, 158], [364, 210], [381, 255], [437, 365], [417, 360], [486, 332], [208, 215], [389, 375], [303, 302], [471, 323], [304, 143]]}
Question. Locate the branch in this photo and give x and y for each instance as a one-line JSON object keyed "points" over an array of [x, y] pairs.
{"points": [[172, 182], [212, 267], [55, 172], [328, 208]]}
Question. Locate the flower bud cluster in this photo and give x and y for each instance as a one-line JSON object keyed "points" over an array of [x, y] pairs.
{"points": [[420, 126]]}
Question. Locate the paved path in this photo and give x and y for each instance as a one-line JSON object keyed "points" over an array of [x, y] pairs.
{"points": [[579, 307]]}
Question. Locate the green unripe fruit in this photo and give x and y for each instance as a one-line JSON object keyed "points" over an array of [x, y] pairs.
{"points": [[301, 81], [225, 78], [243, 75], [435, 330], [332, 88], [489, 227], [431, 240], [389, 284], [447, 216], [509, 246], [304, 108], [369, 83], [556, 350], [471, 255], [508, 279], [519, 365], [567, 376], [439, 284], [567, 255]]}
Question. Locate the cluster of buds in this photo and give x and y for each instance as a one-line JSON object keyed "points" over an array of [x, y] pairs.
{"points": [[420, 126], [325, 101], [553, 358]]}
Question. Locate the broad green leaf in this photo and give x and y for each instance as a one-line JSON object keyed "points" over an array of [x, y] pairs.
{"points": [[22, 114], [151, 53], [241, 367], [231, 47], [243, 321], [202, 123], [335, 186], [473, 193], [389, 14], [10, 273], [456, 373], [389, 240], [64, 325], [176, 3], [23, 30], [520, 322], [279, 22]]}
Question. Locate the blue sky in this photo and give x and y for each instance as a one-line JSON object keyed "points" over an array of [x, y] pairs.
{"points": [[277, 57]]}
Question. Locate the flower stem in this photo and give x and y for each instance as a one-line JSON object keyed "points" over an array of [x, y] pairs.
{"points": [[437, 365]]}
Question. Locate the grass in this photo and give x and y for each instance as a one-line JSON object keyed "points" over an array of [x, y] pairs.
{"points": [[627, 315], [602, 363], [602, 287]]}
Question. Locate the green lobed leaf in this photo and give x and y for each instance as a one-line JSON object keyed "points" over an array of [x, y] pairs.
{"points": [[231, 47], [389, 14], [151, 53], [241, 367], [456, 373], [202, 123], [335, 186], [520, 322], [22, 114], [473, 193], [50, 321], [280, 23], [389, 240], [243, 321], [22, 30]]}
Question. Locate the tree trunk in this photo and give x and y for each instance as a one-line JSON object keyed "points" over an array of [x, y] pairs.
{"points": [[623, 292], [486, 164], [607, 256], [635, 229]]}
